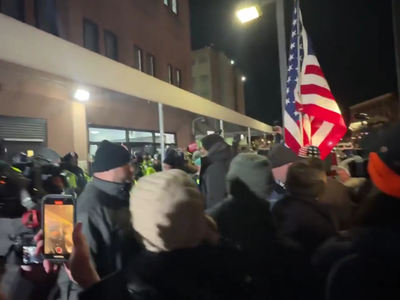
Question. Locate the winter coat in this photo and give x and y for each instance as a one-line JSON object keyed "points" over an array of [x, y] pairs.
{"points": [[337, 195], [304, 220], [363, 265], [103, 209], [214, 168], [206, 272]]}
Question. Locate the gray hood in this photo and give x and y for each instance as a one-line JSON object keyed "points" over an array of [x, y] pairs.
{"points": [[252, 170]]}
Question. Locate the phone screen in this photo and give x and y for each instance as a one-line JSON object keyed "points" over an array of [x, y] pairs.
{"points": [[57, 228], [29, 257]]}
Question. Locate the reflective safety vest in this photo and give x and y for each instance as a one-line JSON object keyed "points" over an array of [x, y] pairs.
{"points": [[149, 170], [87, 177], [72, 179], [16, 169]]}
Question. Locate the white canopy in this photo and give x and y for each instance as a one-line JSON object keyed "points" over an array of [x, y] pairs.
{"points": [[29, 47]]}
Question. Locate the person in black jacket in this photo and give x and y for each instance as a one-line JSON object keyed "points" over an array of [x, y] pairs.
{"points": [[214, 167], [183, 256], [244, 217], [103, 209], [299, 215]]}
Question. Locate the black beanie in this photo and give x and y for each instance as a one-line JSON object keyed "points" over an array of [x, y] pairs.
{"points": [[110, 156], [67, 158], [280, 155], [210, 140]]}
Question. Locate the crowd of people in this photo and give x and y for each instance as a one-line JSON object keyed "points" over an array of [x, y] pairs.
{"points": [[235, 226]]}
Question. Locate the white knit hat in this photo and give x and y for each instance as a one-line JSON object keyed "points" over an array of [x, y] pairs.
{"points": [[168, 212]]}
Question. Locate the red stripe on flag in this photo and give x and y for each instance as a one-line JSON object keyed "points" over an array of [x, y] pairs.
{"points": [[322, 113], [312, 89], [291, 142], [331, 140], [315, 70]]}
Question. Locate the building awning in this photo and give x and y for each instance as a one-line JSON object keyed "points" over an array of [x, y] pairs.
{"points": [[30, 47]]}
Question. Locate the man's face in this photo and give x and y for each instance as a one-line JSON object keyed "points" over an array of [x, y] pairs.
{"points": [[125, 173]]}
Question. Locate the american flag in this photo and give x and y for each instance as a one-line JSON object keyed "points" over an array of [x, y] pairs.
{"points": [[308, 97]]}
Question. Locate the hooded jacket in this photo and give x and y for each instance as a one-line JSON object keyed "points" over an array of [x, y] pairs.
{"points": [[244, 216], [371, 269], [103, 209], [214, 168], [182, 256]]}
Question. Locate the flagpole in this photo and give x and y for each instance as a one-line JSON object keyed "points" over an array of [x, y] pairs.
{"points": [[299, 69]]}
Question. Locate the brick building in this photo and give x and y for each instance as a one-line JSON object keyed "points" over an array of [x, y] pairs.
{"points": [[216, 78], [152, 36]]}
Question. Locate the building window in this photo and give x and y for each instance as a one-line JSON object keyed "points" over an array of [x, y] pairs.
{"points": [[203, 60], [175, 6], [140, 137], [204, 78], [112, 135], [46, 16], [13, 8], [169, 138], [138, 62], [90, 35], [170, 75], [111, 42], [205, 94], [150, 68], [178, 78], [166, 2]]}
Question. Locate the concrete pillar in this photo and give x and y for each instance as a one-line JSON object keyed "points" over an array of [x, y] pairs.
{"points": [[80, 132]]}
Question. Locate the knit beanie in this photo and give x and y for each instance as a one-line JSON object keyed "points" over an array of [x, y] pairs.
{"points": [[254, 171], [384, 161], [110, 156], [67, 158], [174, 158], [280, 155], [210, 140], [168, 213]]}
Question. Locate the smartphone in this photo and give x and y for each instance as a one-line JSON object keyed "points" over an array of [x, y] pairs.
{"points": [[58, 219], [28, 252]]}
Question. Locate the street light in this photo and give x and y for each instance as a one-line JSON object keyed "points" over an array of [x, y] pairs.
{"points": [[243, 78], [249, 13], [252, 12], [232, 62]]}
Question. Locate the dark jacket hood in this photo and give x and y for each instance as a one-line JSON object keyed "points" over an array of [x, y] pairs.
{"points": [[219, 152], [377, 241], [250, 172]]}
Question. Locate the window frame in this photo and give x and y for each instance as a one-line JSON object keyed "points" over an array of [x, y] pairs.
{"points": [[36, 10], [21, 6], [175, 6], [150, 64], [178, 77], [170, 74], [138, 63], [112, 34], [87, 21]]}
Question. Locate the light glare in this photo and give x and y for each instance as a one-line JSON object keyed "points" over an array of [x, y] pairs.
{"points": [[82, 95], [243, 78], [247, 14]]}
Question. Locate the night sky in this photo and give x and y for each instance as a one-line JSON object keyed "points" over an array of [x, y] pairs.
{"points": [[353, 40]]}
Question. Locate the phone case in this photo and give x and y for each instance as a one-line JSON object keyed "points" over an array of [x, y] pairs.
{"points": [[57, 197]]}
